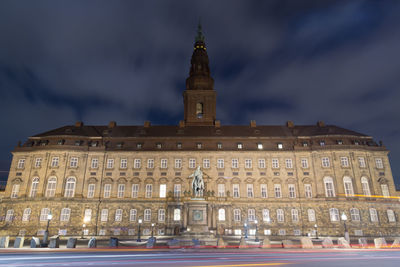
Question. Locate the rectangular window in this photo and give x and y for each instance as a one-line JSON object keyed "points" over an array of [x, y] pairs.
{"points": [[95, 164], [192, 163], [261, 163], [280, 215], [54, 162], [266, 217], [149, 190], [308, 190], [9, 216], [206, 163], [236, 191], [239, 145], [355, 214], [304, 163], [177, 190], [124, 163], [104, 215], [379, 163], [250, 190], [267, 231], [295, 215], [361, 162], [132, 215], [137, 163], [15, 191], [118, 215], [161, 215], [107, 190], [238, 232], [21, 164], [43, 214], [344, 161], [289, 163], [91, 188], [385, 190], [248, 163], [264, 193], [277, 190], [178, 163], [110, 163], [121, 190], [374, 215], [220, 163], [311, 215], [164, 163], [38, 162], [163, 190], [292, 191], [275, 163], [177, 214], [325, 162], [26, 215], [150, 163], [391, 217], [251, 215], [236, 215], [73, 162], [358, 232], [221, 190], [135, 190], [235, 163], [65, 214], [147, 215], [87, 216]]}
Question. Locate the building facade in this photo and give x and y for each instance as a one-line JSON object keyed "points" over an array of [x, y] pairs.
{"points": [[286, 180]]}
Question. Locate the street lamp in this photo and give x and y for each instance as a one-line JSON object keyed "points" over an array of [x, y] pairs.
{"points": [[316, 231], [46, 233], [138, 234], [245, 230], [346, 233], [85, 220], [152, 230], [256, 231]]}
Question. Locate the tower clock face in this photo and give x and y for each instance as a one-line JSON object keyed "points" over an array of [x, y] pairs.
{"points": [[197, 215]]}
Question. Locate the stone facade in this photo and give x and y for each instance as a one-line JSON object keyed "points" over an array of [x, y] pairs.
{"points": [[279, 180]]}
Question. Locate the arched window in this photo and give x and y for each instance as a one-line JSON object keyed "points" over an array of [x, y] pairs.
{"points": [[348, 186], [15, 190], [9, 216], [311, 215], [385, 190], [329, 188], [365, 186], [334, 214], [70, 187], [34, 187], [373, 215], [65, 214], [51, 187], [118, 215], [355, 214], [26, 215], [44, 214], [221, 214]]}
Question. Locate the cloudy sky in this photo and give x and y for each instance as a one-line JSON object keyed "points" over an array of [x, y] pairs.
{"points": [[272, 61]]}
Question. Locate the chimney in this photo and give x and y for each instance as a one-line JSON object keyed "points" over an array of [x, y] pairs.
{"points": [[147, 124], [217, 124], [253, 124], [181, 124], [78, 124], [290, 124], [112, 124], [321, 124]]}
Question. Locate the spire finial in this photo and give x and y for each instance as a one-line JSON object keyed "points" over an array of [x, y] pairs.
{"points": [[200, 36]]}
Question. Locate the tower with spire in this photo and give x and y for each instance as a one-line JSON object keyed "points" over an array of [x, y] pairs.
{"points": [[199, 97]]}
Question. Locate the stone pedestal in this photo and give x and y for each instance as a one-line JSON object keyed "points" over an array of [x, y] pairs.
{"points": [[197, 217]]}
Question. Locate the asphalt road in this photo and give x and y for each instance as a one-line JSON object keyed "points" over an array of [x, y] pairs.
{"points": [[202, 257]]}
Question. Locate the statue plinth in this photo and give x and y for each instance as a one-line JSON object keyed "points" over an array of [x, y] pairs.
{"points": [[197, 216]]}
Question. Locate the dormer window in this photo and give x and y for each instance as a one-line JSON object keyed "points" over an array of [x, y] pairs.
{"points": [[305, 144], [61, 142], [260, 146], [339, 142], [199, 145], [78, 142], [120, 144], [159, 145], [239, 145], [280, 146], [356, 142], [139, 145], [94, 143], [179, 145], [44, 142], [219, 145], [322, 143]]}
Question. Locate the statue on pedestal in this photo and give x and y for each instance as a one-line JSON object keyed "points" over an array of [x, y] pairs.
{"points": [[198, 182]]}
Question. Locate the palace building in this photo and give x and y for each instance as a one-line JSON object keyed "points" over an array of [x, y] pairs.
{"points": [[278, 181]]}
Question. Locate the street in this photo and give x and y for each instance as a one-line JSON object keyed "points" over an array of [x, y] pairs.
{"points": [[201, 257]]}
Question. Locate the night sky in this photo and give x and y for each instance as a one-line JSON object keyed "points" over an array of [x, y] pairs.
{"points": [[272, 61]]}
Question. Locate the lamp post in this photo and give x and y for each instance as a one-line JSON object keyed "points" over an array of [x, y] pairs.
{"points": [[46, 233], [316, 231], [256, 222], [346, 233], [85, 220], [245, 230], [138, 234], [152, 230]]}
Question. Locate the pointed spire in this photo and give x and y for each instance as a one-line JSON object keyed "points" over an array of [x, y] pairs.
{"points": [[200, 36]]}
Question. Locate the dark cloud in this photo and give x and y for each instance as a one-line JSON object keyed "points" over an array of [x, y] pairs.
{"points": [[273, 61]]}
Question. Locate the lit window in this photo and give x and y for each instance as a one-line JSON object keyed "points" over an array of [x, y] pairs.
{"points": [[70, 187], [355, 214], [267, 231], [177, 190], [206, 163], [178, 163], [322, 143], [295, 215], [150, 163], [149, 190], [277, 190], [236, 215], [339, 142], [361, 162], [219, 145], [292, 191], [65, 214], [251, 215], [248, 163], [34, 187], [107, 190], [9, 216], [348, 186], [235, 163], [280, 146], [275, 163], [147, 215], [385, 190], [344, 161], [51, 187], [192, 163], [365, 186], [118, 215], [88, 215], [95, 163], [163, 190], [104, 215], [329, 188], [280, 217], [179, 145], [311, 215], [73, 162], [250, 190], [91, 188], [379, 163], [15, 190], [308, 190], [220, 163], [177, 214], [334, 214], [239, 145], [325, 162], [135, 190], [236, 191], [161, 215], [124, 163], [132, 215], [266, 217], [137, 164], [121, 191], [264, 192], [21, 164], [139, 145], [164, 163], [38, 162], [391, 217], [289, 163], [221, 214], [221, 190], [373, 214], [44, 214], [304, 163], [260, 146], [199, 145], [54, 162], [261, 163], [26, 215], [110, 163], [159, 145]]}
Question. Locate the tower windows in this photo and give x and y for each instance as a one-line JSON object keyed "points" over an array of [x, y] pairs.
{"points": [[199, 110]]}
